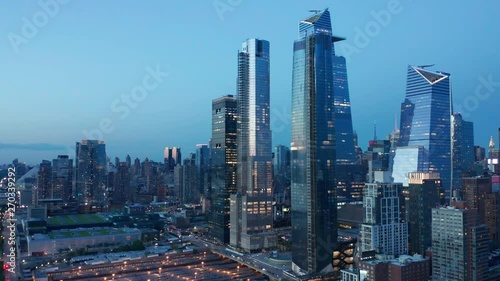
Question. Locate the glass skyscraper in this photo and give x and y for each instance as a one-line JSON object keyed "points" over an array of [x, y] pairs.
{"points": [[90, 175], [314, 212], [223, 164], [425, 120], [342, 111], [463, 148], [251, 208], [407, 159], [62, 177], [347, 171], [172, 157]]}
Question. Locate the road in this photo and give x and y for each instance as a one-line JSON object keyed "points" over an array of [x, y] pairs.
{"points": [[182, 266], [255, 261]]}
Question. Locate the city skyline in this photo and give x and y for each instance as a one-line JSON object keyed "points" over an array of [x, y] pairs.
{"points": [[55, 97], [146, 139]]}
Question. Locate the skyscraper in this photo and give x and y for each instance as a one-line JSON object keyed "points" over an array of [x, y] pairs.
{"points": [[407, 159], [62, 177], [425, 120], [384, 229], [128, 160], [479, 194], [314, 212], [347, 172], [423, 195], [463, 148], [90, 175], [121, 185], [202, 162], [459, 245], [223, 167], [172, 157], [344, 139], [44, 180], [493, 158], [479, 153], [378, 157], [252, 222], [281, 174], [190, 183]]}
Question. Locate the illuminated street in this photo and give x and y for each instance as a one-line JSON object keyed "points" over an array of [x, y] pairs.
{"points": [[185, 266]]}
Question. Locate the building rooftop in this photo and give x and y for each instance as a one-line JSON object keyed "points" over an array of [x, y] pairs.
{"points": [[431, 76], [68, 220], [402, 260], [81, 232]]}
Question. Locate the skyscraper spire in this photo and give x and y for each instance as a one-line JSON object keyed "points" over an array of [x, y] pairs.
{"points": [[492, 143], [374, 130], [395, 121]]}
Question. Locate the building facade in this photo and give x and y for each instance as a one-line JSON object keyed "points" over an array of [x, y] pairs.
{"points": [[121, 185], [423, 195], [190, 183], [463, 148], [384, 229], [44, 181], [90, 176], [62, 177], [403, 268], [459, 245], [314, 212], [223, 153], [251, 225], [282, 174], [425, 119], [407, 159], [172, 157]]}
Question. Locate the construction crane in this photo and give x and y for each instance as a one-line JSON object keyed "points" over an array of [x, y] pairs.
{"points": [[315, 11]]}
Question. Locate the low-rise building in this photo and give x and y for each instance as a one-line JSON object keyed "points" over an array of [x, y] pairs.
{"points": [[404, 268], [80, 238]]}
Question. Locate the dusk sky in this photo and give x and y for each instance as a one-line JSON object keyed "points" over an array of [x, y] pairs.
{"points": [[65, 69]]}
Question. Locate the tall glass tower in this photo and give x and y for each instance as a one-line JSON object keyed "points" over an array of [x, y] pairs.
{"points": [[62, 177], [342, 109], [251, 208], [223, 153], [426, 120], [90, 175], [463, 148], [314, 212], [346, 170]]}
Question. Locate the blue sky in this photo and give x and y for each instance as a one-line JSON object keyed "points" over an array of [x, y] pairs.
{"points": [[62, 77]]}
